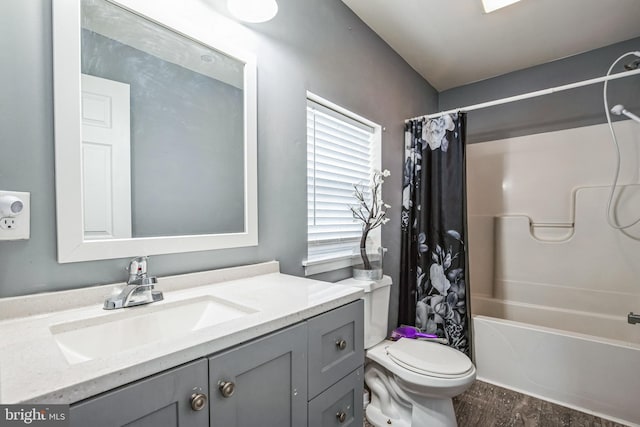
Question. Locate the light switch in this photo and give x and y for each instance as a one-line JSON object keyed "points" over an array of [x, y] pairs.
{"points": [[15, 215]]}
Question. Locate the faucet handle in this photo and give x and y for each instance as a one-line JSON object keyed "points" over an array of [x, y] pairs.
{"points": [[138, 266]]}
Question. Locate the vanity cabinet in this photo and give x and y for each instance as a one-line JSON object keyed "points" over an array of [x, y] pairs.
{"points": [[262, 383], [163, 400], [310, 373]]}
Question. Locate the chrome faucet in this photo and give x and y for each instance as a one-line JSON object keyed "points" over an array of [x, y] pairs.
{"points": [[139, 287]]}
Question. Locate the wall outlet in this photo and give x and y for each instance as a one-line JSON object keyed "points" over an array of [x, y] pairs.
{"points": [[8, 223], [16, 227]]}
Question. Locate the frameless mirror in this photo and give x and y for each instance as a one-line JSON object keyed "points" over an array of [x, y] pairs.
{"points": [[155, 135]]}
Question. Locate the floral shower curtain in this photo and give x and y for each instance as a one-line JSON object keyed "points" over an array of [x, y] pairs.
{"points": [[434, 279]]}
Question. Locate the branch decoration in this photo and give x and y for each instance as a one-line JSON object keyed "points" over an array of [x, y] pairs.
{"points": [[371, 213]]}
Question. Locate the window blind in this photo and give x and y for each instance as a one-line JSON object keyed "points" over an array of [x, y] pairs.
{"points": [[338, 156]]}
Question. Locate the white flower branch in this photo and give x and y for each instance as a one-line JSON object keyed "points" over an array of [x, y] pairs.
{"points": [[371, 215]]}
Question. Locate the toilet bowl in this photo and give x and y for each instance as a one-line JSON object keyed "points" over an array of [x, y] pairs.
{"points": [[415, 381], [412, 382]]}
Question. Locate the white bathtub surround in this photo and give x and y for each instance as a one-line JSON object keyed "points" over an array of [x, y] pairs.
{"points": [[536, 212], [536, 174], [596, 376], [539, 240], [35, 369], [595, 258], [544, 259]]}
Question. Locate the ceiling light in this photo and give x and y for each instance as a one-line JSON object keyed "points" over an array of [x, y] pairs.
{"points": [[491, 5], [253, 11]]}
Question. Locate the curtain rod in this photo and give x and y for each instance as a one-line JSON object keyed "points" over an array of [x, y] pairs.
{"points": [[529, 95]]}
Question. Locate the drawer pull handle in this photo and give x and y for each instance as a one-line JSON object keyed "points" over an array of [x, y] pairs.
{"points": [[341, 344], [341, 416], [226, 388], [198, 401]]}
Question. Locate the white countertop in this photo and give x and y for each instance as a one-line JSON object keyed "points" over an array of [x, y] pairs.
{"points": [[33, 368]]}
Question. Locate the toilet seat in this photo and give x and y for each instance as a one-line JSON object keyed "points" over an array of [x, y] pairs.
{"points": [[429, 358]]}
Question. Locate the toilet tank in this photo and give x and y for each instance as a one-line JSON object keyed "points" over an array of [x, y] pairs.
{"points": [[376, 307]]}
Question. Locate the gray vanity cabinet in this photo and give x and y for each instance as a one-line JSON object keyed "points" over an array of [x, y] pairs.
{"points": [[262, 383], [163, 400], [308, 374]]}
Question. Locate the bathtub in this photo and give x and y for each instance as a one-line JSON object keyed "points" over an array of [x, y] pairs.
{"points": [[515, 347], [551, 282]]}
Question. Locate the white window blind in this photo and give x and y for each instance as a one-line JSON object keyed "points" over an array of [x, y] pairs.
{"points": [[339, 155]]}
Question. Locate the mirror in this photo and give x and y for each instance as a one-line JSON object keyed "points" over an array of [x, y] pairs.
{"points": [[155, 134]]}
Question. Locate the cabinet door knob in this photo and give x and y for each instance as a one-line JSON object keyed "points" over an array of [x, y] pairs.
{"points": [[226, 388], [341, 416], [341, 344], [198, 401]]}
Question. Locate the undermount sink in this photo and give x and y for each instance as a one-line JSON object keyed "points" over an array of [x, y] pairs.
{"points": [[104, 336]]}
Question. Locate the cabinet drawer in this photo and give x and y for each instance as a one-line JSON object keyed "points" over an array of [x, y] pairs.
{"points": [[340, 405], [336, 345]]}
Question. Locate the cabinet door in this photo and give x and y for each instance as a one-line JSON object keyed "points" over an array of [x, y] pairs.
{"points": [[341, 404], [336, 345], [266, 382], [163, 400]]}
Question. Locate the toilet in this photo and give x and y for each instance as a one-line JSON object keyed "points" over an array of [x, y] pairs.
{"points": [[412, 382]]}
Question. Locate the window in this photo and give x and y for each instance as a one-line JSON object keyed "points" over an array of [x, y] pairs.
{"points": [[343, 149]]}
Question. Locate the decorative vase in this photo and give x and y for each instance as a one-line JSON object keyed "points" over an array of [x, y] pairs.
{"points": [[369, 264]]}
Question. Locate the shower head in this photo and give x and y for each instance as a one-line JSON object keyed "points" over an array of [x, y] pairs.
{"points": [[620, 110], [633, 65]]}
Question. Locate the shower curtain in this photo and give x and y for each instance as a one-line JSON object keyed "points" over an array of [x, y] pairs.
{"points": [[434, 281]]}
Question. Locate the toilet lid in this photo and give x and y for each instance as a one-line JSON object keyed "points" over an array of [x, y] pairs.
{"points": [[429, 358]]}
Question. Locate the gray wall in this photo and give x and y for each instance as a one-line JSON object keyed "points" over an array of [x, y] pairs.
{"points": [[316, 45], [187, 157], [563, 110]]}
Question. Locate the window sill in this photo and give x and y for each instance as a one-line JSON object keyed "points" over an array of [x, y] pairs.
{"points": [[330, 263]]}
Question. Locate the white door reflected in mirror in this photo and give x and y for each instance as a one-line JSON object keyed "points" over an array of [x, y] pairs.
{"points": [[106, 164]]}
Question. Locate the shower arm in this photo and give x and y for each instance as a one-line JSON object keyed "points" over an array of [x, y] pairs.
{"points": [[620, 110]]}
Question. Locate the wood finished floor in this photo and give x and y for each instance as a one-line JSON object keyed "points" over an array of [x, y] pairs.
{"points": [[487, 405]]}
